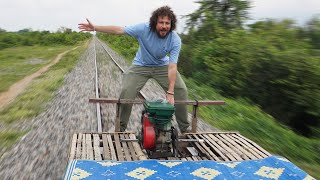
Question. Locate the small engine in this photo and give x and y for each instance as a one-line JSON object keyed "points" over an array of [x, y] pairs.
{"points": [[157, 136]]}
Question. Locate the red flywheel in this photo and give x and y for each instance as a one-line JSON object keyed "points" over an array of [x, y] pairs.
{"points": [[149, 136]]}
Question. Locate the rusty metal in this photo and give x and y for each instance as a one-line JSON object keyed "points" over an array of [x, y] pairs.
{"points": [[194, 117]]}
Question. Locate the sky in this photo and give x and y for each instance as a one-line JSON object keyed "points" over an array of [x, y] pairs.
{"points": [[52, 14]]}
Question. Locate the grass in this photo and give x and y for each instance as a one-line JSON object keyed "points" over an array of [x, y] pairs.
{"points": [[258, 126], [8, 138], [18, 62], [34, 99]]}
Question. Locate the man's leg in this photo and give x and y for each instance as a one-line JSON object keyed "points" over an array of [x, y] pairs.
{"points": [[133, 80], [180, 93]]}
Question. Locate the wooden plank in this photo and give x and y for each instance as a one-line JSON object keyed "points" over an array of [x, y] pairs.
{"points": [[204, 158], [235, 153], [240, 146], [105, 145], [136, 146], [227, 150], [78, 153], [125, 149], [131, 149], [84, 147], [250, 147], [201, 148], [118, 147], [233, 145], [172, 158], [73, 147], [117, 123], [214, 146], [189, 159], [194, 158], [207, 149], [183, 159], [89, 147], [112, 150], [96, 147], [256, 145]]}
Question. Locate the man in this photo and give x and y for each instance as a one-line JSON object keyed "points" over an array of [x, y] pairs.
{"points": [[156, 58]]}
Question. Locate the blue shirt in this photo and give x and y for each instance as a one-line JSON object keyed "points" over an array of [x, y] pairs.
{"points": [[154, 51]]}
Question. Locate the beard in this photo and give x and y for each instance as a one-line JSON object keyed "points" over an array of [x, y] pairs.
{"points": [[160, 36]]}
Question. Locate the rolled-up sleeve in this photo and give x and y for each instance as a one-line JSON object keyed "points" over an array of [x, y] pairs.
{"points": [[135, 30]]}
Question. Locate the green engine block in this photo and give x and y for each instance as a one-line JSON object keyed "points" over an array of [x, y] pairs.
{"points": [[160, 113]]}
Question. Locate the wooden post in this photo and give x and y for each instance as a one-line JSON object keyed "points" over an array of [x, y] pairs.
{"points": [[194, 117], [117, 123]]}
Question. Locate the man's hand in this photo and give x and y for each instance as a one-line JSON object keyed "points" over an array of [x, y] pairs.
{"points": [[86, 26], [170, 98]]}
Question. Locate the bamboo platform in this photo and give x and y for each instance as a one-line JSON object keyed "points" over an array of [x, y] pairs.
{"points": [[123, 146]]}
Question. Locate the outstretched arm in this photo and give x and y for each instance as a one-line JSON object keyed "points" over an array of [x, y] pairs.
{"points": [[105, 29]]}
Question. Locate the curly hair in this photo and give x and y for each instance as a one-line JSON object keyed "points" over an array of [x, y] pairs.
{"points": [[163, 11]]}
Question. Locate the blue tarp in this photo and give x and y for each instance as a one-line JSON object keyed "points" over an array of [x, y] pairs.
{"points": [[274, 167]]}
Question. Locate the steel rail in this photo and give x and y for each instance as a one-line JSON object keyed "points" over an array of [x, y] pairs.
{"points": [[98, 107]]}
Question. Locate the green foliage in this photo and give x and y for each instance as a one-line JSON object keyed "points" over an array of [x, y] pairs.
{"points": [[275, 64], [253, 123], [212, 15], [127, 46], [8, 138], [27, 37], [312, 32]]}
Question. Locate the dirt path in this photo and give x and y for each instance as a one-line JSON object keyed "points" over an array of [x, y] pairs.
{"points": [[18, 87]]}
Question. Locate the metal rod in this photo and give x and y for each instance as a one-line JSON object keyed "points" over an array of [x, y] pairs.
{"points": [[140, 101], [190, 140], [194, 117], [129, 140], [117, 125]]}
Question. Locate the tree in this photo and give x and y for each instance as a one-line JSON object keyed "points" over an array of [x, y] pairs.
{"points": [[2, 30], [313, 31], [228, 14]]}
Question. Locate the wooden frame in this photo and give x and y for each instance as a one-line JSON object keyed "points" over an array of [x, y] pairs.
{"points": [[124, 146]]}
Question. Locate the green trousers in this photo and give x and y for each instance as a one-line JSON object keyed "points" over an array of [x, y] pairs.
{"points": [[136, 77]]}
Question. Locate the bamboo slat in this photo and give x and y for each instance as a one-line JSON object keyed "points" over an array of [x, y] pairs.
{"points": [[123, 146], [106, 150], [96, 147]]}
